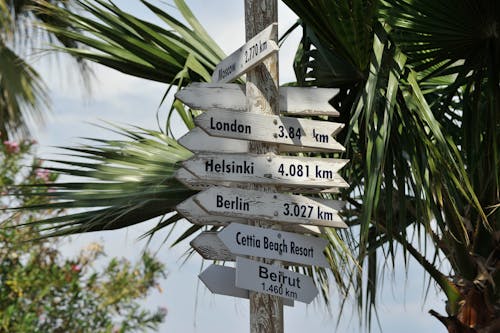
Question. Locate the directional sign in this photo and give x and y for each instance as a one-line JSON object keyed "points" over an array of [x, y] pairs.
{"points": [[193, 182], [285, 208], [197, 140], [196, 215], [274, 280], [267, 169], [271, 129], [293, 100], [274, 244], [221, 280], [210, 247], [248, 56]]}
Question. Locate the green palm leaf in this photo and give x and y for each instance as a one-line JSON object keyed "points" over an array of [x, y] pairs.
{"points": [[22, 94], [121, 183], [405, 170], [133, 46]]}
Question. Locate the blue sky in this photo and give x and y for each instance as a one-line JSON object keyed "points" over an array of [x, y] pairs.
{"points": [[119, 98]]}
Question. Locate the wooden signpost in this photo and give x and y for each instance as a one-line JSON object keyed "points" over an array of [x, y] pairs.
{"points": [[271, 129], [238, 169], [274, 207], [267, 169], [273, 280], [298, 101], [248, 56]]}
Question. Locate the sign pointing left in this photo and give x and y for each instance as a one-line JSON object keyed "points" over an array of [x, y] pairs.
{"points": [[247, 57]]}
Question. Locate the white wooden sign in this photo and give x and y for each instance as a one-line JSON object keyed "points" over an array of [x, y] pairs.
{"points": [[274, 244], [274, 280], [248, 56], [293, 100], [272, 129], [221, 280], [267, 169], [195, 183], [197, 140], [277, 207], [196, 215]]}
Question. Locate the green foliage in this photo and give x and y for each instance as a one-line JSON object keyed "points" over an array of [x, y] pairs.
{"points": [[41, 290], [420, 91], [423, 134]]}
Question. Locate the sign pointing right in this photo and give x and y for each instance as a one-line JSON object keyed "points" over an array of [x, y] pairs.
{"points": [[272, 129], [304, 101], [274, 244], [220, 280], [277, 207], [274, 280]]}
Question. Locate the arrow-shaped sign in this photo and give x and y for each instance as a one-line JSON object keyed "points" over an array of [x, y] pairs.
{"points": [[196, 215], [221, 280], [271, 129], [267, 169], [210, 247], [293, 100], [274, 280], [197, 140], [274, 244], [193, 182], [248, 56], [267, 206]]}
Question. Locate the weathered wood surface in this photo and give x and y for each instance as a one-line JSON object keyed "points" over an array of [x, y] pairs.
{"points": [[193, 182], [211, 247], [274, 280], [302, 101], [272, 129], [221, 280], [198, 141], [274, 207], [196, 215], [248, 56], [273, 244], [269, 169]]}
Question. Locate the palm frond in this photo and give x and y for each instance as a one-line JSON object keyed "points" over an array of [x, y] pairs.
{"points": [[137, 47], [122, 183], [22, 94]]}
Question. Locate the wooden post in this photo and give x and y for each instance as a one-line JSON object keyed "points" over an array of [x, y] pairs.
{"points": [[262, 96]]}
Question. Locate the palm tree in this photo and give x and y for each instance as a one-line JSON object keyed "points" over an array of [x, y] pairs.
{"points": [[419, 90], [23, 94]]}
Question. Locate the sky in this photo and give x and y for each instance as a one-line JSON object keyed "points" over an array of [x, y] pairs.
{"points": [[119, 98]]}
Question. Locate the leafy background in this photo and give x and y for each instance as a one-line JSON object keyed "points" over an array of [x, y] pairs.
{"points": [[135, 101]]}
